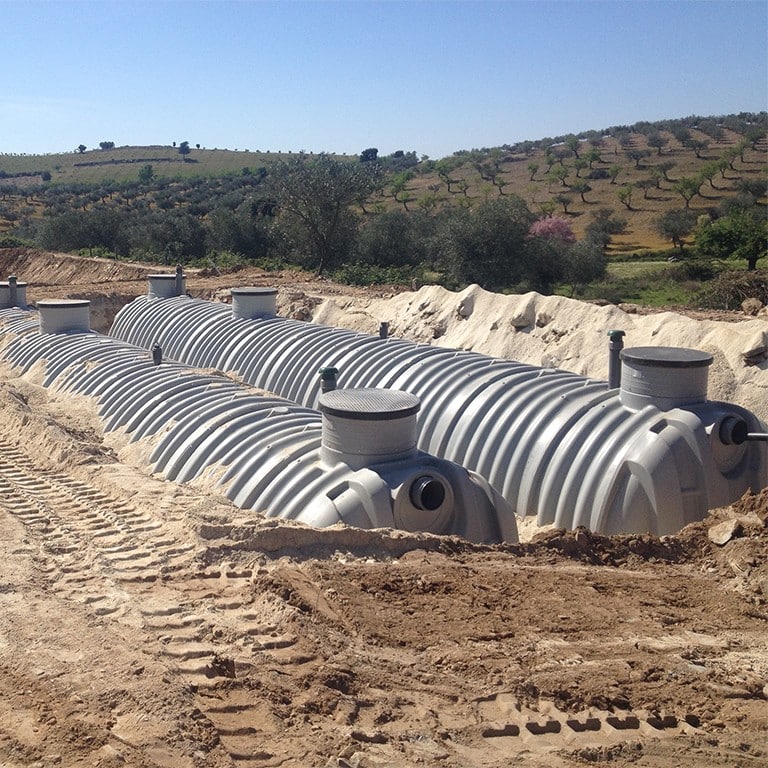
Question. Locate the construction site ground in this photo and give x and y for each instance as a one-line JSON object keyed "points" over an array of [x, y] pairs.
{"points": [[145, 623]]}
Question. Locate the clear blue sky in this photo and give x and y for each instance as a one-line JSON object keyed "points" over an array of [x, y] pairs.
{"points": [[433, 77]]}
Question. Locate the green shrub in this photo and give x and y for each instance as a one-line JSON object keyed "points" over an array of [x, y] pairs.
{"points": [[664, 254], [371, 274], [9, 241], [229, 261], [655, 289], [226, 261], [693, 269], [272, 264], [98, 252]]}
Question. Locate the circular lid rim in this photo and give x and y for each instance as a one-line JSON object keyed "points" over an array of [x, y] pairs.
{"points": [[60, 303], [667, 357], [254, 291], [403, 404]]}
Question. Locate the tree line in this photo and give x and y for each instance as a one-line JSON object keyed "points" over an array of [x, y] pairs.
{"points": [[310, 211], [316, 212]]}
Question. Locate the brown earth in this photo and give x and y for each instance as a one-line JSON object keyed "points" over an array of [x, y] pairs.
{"points": [[150, 624]]}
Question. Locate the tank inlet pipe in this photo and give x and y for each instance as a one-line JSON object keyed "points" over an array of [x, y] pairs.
{"points": [[615, 345], [179, 280], [383, 330], [734, 431], [427, 493], [12, 290], [328, 379]]}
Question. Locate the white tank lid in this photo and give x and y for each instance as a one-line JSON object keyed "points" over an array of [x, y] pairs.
{"points": [[369, 404], [252, 302], [64, 315], [362, 427], [166, 286], [667, 357], [254, 290], [666, 377]]}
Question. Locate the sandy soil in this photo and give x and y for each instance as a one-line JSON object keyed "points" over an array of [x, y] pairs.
{"points": [[150, 624]]}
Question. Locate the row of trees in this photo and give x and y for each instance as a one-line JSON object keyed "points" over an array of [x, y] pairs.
{"points": [[753, 126], [741, 233], [184, 148], [642, 165], [105, 145], [311, 211]]}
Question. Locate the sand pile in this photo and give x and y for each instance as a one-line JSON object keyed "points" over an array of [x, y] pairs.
{"points": [[557, 332]]}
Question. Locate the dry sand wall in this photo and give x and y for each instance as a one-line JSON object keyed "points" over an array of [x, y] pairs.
{"points": [[554, 331]]}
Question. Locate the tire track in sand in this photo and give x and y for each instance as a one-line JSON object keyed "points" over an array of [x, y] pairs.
{"points": [[124, 564]]}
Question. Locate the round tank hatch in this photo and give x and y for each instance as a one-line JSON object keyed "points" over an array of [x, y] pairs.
{"points": [[369, 404], [368, 426], [64, 315], [253, 303], [667, 377], [666, 357]]}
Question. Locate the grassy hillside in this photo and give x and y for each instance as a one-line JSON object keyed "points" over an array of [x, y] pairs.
{"points": [[631, 171], [515, 176], [123, 163]]}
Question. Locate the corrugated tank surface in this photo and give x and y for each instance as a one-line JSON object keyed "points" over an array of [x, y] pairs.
{"points": [[262, 452], [557, 445]]}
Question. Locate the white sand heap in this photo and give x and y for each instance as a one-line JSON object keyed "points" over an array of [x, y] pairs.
{"points": [[557, 332]]}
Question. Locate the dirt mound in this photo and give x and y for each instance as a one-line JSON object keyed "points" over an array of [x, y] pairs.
{"points": [[44, 269]]}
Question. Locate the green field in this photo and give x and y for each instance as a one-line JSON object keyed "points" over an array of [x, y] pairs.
{"points": [[628, 270], [123, 163]]}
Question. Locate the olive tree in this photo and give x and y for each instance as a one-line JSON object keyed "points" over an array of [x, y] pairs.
{"points": [[584, 262], [574, 263], [394, 239], [314, 196], [676, 225], [604, 224], [146, 174], [687, 187], [743, 234], [657, 141], [489, 245]]}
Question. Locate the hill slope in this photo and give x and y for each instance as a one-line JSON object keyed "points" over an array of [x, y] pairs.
{"points": [[634, 172]]}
